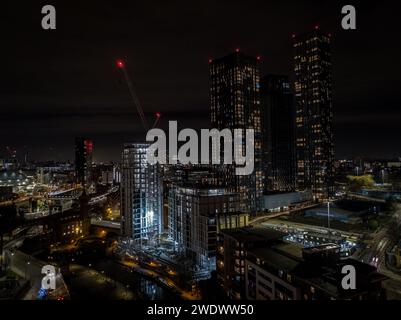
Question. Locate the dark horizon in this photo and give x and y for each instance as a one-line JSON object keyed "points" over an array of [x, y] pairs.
{"points": [[61, 84]]}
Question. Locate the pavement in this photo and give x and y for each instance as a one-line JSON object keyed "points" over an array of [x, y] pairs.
{"points": [[92, 284]]}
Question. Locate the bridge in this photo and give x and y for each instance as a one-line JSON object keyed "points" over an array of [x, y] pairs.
{"points": [[106, 224], [103, 197], [75, 193], [357, 196], [69, 194], [16, 201], [103, 227], [272, 215]]}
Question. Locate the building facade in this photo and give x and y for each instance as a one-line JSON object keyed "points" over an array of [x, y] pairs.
{"points": [[313, 113], [232, 248], [70, 225], [141, 195], [196, 215], [258, 264], [278, 133], [268, 280], [83, 161], [235, 104]]}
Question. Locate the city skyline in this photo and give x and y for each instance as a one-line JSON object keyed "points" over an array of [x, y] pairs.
{"points": [[70, 76], [291, 192]]}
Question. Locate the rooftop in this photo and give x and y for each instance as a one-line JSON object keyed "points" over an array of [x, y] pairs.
{"points": [[269, 257], [253, 234]]}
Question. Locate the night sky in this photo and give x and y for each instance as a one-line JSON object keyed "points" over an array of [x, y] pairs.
{"points": [[56, 85]]}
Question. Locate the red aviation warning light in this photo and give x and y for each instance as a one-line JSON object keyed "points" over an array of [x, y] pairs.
{"points": [[89, 146], [120, 63], [158, 116]]}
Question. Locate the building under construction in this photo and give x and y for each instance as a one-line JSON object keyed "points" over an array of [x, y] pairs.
{"points": [[141, 194]]}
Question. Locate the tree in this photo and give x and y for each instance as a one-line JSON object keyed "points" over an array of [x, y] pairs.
{"points": [[356, 183]]}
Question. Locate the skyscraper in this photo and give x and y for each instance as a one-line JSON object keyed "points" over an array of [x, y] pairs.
{"points": [[278, 133], [141, 194], [313, 107], [235, 104], [83, 160]]}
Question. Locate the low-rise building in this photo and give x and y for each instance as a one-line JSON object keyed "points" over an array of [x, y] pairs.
{"points": [[71, 224], [257, 264], [232, 247], [281, 201]]}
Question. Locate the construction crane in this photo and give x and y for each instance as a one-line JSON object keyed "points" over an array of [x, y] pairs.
{"points": [[121, 65]]}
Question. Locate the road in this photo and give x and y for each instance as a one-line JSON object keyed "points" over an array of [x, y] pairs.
{"points": [[374, 253]]}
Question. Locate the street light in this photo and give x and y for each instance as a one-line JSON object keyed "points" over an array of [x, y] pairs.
{"points": [[26, 268]]}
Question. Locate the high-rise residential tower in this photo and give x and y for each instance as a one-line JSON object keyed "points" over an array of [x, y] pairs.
{"points": [[141, 194], [313, 118], [235, 104], [278, 133], [196, 215], [83, 160]]}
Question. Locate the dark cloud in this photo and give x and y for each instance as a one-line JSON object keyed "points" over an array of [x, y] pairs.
{"points": [[59, 84]]}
